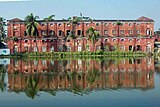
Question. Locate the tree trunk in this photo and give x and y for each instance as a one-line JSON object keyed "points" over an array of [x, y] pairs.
{"points": [[83, 29], [20, 39], [30, 44], [74, 45], [36, 45], [47, 29], [82, 36], [83, 44], [73, 34], [93, 46], [118, 30]]}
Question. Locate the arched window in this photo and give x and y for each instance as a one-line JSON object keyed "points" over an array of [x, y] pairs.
{"points": [[51, 32], [149, 32], [26, 41], [51, 24], [148, 48], [15, 49], [122, 40], [114, 39]]}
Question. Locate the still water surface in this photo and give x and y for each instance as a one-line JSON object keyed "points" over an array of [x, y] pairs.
{"points": [[80, 83]]}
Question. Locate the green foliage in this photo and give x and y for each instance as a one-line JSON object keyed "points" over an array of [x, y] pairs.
{"points": [[119, 23], [2, 78], [77, 55], [49, 18], [31, 25], [32, 86], [2, 28], [92, 76], [15, 39], [92, 35]]}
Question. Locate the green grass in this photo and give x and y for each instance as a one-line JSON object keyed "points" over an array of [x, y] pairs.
{"points": [[76, 55]]}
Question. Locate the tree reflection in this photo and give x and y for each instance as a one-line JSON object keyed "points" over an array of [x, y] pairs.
{"points": [[32, 86], [2, 78], [92, 76], [81, 78], [52, 92], [76, 88]]}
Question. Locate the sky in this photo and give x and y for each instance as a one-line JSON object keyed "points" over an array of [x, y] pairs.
{"points": [[96, 9]]}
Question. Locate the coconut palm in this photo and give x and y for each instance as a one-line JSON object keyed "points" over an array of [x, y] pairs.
{"points": [[92, 35], [74, 21], [2, 30], [32, 27], [82, 19], [118, 24], [47, 19]]}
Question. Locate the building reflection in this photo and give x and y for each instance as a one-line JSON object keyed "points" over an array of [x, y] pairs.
{"points": [[79, 76]]}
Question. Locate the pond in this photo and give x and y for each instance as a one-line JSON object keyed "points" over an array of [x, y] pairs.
{"points": [[112, 82]]}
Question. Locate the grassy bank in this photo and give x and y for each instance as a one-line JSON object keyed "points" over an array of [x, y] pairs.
{"points": [[78, 54]]}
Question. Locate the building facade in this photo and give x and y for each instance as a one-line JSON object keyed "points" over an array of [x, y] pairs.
{"points": [[131, 35], [64, 74]]}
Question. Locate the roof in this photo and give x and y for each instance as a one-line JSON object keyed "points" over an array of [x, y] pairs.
{"points": [[16, 20], [141, 19], [145, 19]]}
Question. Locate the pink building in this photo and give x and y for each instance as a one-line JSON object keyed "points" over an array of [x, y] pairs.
{"points": [[135, 35]]}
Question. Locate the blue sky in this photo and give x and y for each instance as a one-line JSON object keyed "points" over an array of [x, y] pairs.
{"points": [[96, 9]]}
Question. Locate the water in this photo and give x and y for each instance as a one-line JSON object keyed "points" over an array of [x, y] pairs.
{"points": [[80, 83]]}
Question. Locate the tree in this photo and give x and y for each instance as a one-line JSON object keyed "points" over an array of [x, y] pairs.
{"points": [[32, 27], [118, 24], [47, 19], [2, 28], [92, 35], [74, 22], [82, 19], [15, 39]]}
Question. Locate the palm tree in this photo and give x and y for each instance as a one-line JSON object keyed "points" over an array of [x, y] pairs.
{"points": [[47, 19], [74, 22], [82, 19], [92, 35], [32, 27], [118, 24], [2, 30]]}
